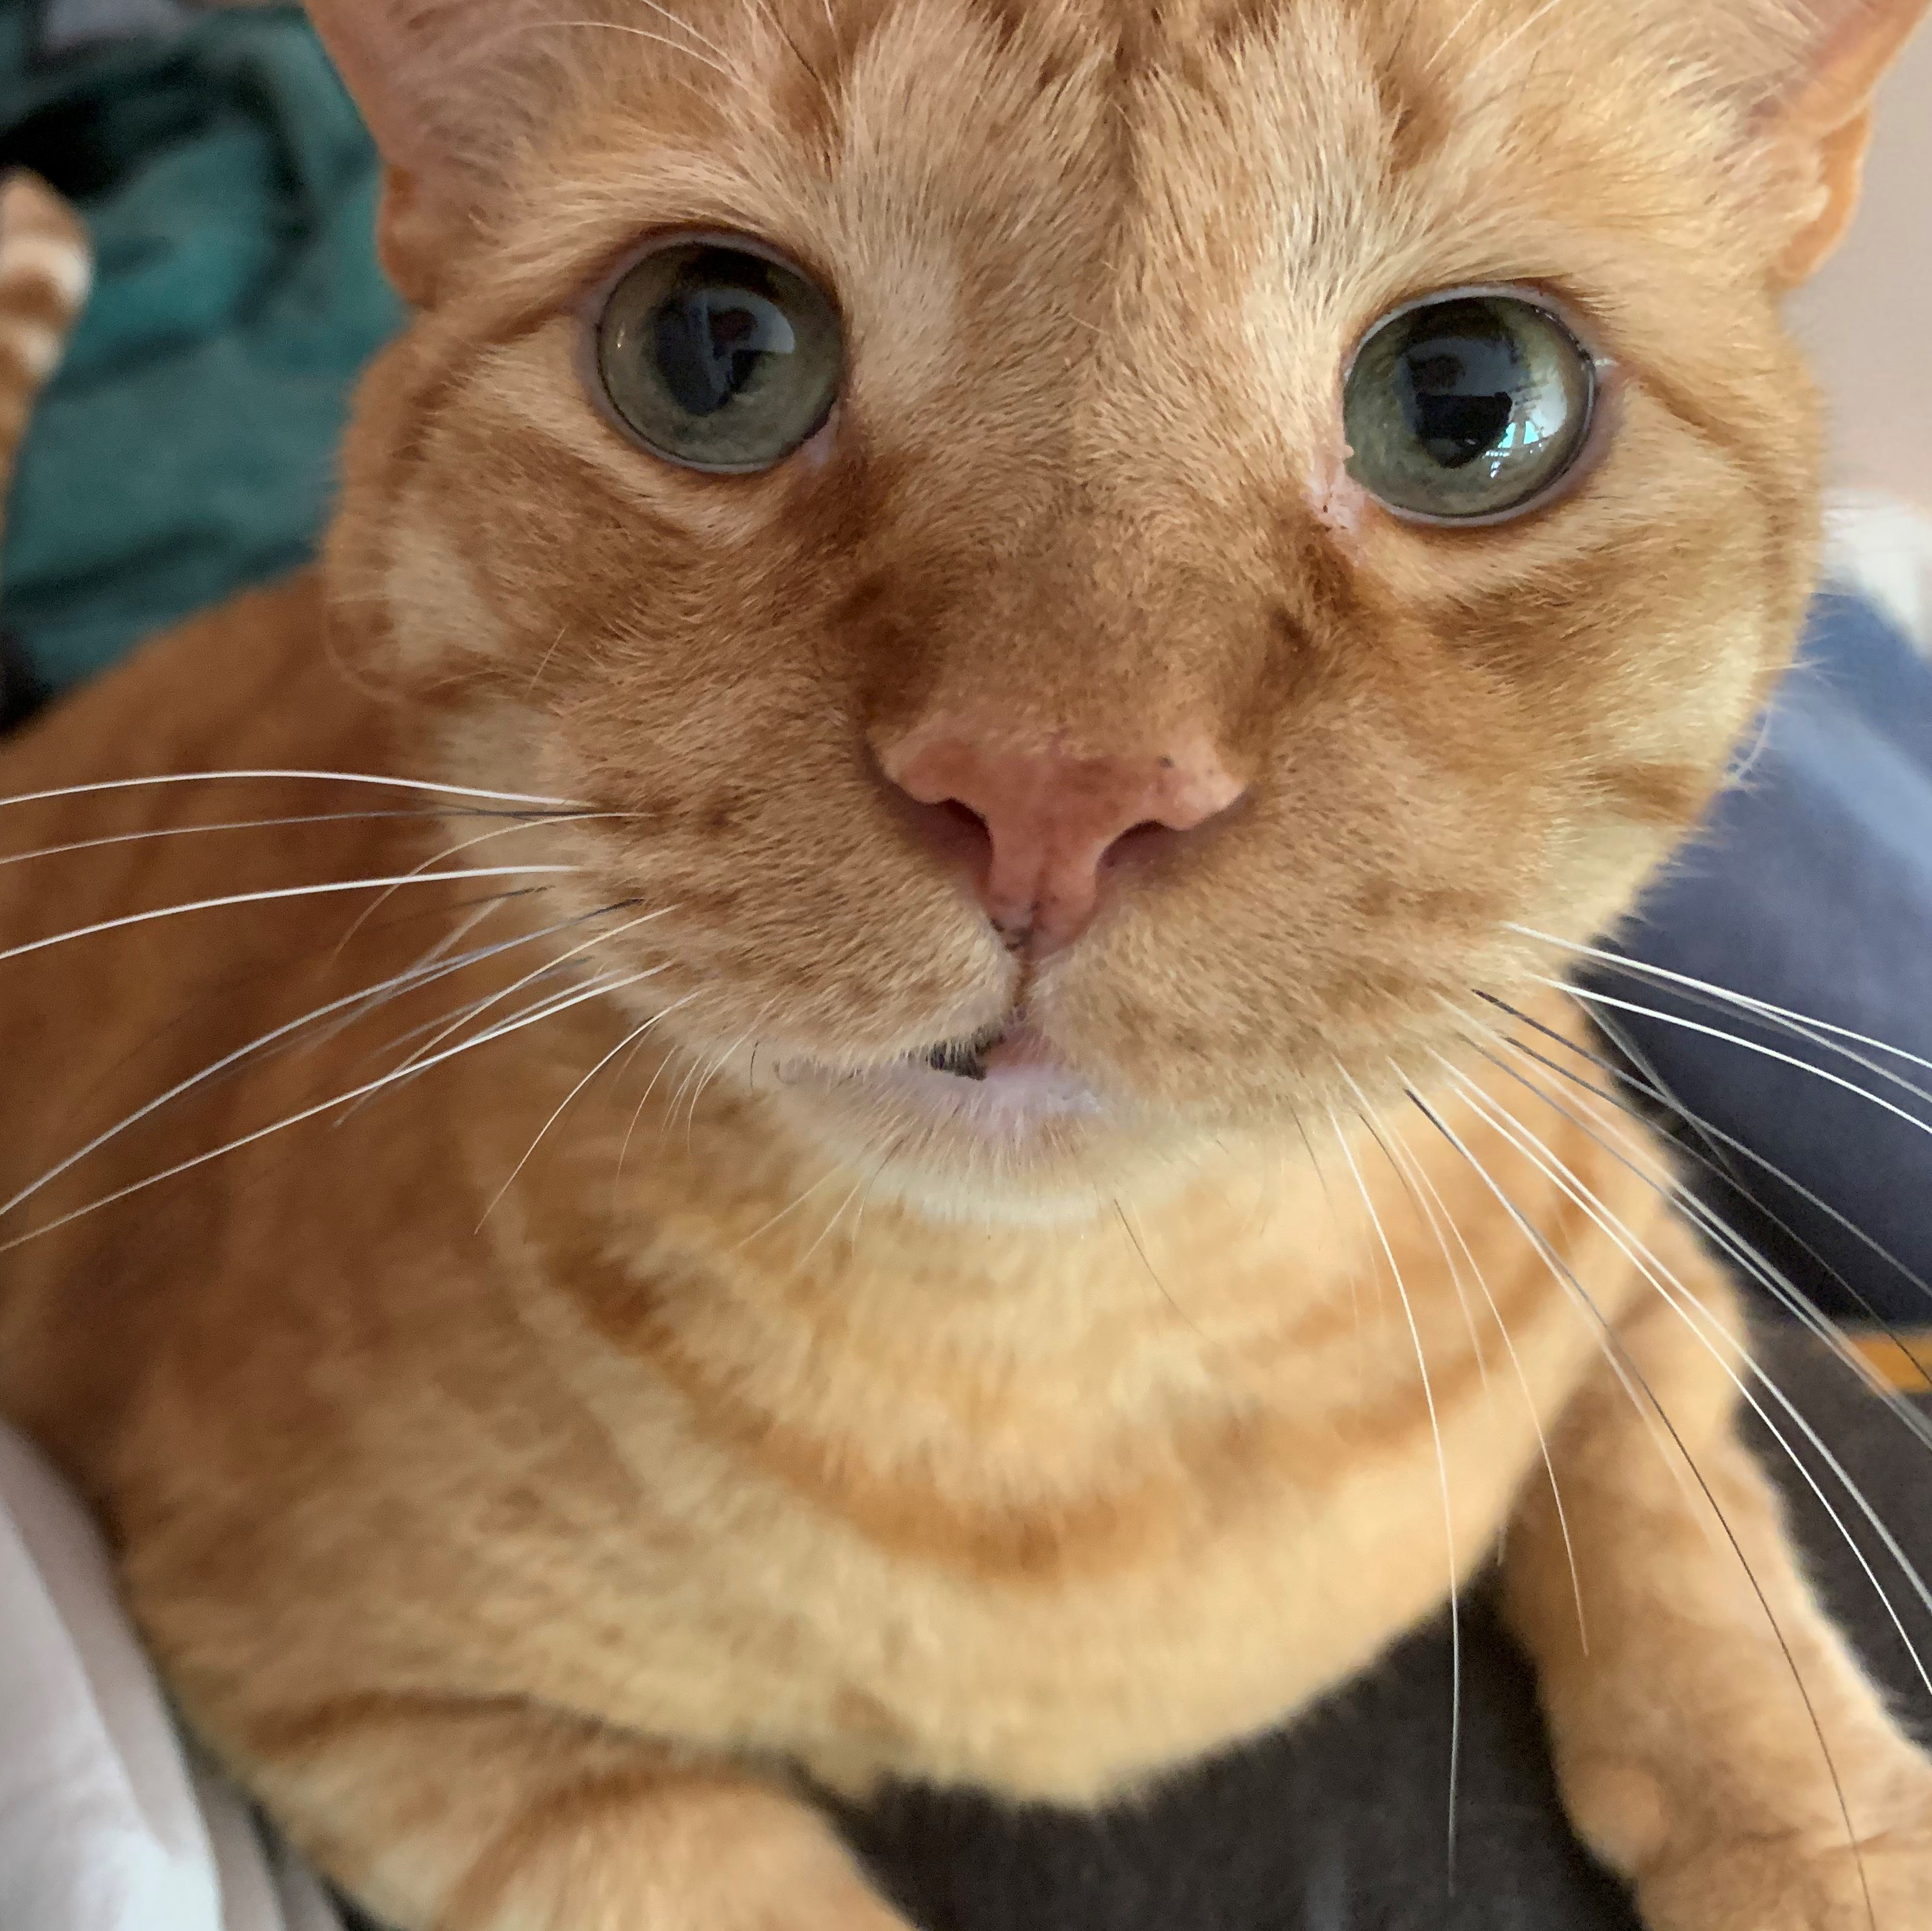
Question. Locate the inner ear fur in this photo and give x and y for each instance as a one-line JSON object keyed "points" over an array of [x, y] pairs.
{"points": [[448, 88], [1827, 114]]}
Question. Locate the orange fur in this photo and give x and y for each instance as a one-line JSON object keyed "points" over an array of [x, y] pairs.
{"points": [[519, 1525], [46, 267]]}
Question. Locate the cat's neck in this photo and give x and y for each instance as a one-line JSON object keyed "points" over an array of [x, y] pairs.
{"points": [[755, 1277], [730, 1198], [1269, 1305]]}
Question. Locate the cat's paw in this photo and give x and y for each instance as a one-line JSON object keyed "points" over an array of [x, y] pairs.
{"points": [[1790, 1884], [774, 1865], [842, 1907], [706, 1856], [1731, 1859]]}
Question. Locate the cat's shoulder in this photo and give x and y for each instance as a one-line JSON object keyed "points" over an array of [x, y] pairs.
{"points": [[253, 672]]}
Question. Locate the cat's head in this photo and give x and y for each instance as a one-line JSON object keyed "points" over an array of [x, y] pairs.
{"points": [[1122, 547]]}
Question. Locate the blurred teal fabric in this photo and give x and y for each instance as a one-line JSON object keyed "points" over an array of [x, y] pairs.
{"points": [[187, 446]]}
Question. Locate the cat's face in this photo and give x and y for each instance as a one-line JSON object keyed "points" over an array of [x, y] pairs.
{"points": [[1085, 290]]}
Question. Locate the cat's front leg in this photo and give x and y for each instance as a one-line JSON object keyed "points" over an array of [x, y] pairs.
{"points": [[1690, 1758], [440, 1814]]}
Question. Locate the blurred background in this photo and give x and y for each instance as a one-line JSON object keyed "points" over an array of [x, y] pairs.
{"points": [[1867, 318], [1867, 321]]}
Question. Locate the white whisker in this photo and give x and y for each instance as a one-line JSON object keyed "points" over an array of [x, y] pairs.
{"points": [[637, 1112], [415, 975], [424, 972], [427, 960], [1685, 1304], [1756, 1264], [331, 777], [1422, 1175], [1681, 1465], [523, 824], [456, 1025], [1442, 1472], [637, 33], [1802, 1022], [884, 1161], [1454, 34], [692, 1073], [629, 1038], [791, 1207], [1612, 1349], [717, 1065], [684, 26], [462, 876], [597, 989], [1646, 1080], [1730, 1038], [227, 825], [1510, 39], [1426, 1208], [825, 1233]]}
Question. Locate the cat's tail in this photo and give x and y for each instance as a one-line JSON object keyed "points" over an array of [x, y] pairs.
{"points": [[46, 269]]}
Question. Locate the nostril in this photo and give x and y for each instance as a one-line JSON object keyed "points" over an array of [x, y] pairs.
{"points": [[1037, 831], [1148, 832], [955, 834], [967, 821], [1137, 841]]}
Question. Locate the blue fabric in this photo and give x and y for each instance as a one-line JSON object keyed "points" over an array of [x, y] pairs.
{"points": [[1811, 889]]}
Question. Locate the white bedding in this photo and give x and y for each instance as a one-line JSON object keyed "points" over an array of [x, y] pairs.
{"points": [[106, 1824]]}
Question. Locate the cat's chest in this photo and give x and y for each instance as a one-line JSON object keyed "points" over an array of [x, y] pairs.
{"points": [[1069, 1692], [1064, 1642]]}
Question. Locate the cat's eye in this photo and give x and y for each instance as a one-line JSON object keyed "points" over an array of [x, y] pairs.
{"points": [[716, 358], [1468, 407]]}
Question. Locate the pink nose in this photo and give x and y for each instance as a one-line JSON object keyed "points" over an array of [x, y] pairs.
{"points": [[1039, 826]]}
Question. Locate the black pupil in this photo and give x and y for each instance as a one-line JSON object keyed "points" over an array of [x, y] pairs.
{"points": [[1459, 381], [712, 334]]}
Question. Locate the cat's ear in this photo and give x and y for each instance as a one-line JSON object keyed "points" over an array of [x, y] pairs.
{"points": [[446, 86], [1824, 113]]}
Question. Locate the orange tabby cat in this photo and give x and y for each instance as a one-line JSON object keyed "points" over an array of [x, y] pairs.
{"points": [[1033, 597]]}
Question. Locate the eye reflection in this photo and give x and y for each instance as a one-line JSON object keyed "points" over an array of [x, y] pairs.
{"points": [[1468, 406], [718, 358]]}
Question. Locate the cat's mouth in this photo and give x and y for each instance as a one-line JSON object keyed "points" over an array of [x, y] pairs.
{"points": [[964, 1059], [1004, 1078], [1006, 1074]]}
